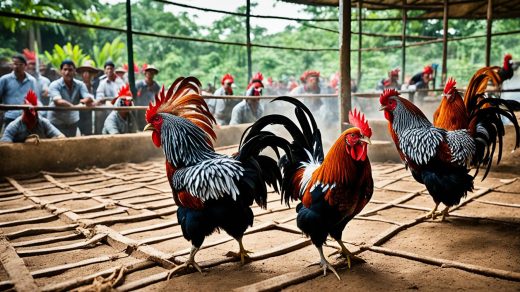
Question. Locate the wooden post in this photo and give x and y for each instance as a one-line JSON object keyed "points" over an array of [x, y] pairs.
{"points": [[130, 48], [248, 32], [489, 25], [360, 41], [445, 44], [345, 93], [403, 52]]}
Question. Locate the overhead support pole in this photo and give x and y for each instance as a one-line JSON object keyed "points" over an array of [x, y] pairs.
{"points": [[445, 43], [345, 93], [403, 50], [130, 48], [248, 32], [360, 41], [489, 25]]}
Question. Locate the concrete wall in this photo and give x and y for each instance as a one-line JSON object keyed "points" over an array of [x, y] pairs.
{"points": [[102, 151]]}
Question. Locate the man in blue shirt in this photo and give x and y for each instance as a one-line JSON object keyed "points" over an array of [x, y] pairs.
{"points": [[30, 125], [14, 87], [68, 92], [121, 122]]}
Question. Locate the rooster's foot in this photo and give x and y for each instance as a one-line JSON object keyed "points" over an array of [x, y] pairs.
{"points": [[343, 252], [433, 213], [326, 265], [184, 266], [445, 213], [242, 254]]}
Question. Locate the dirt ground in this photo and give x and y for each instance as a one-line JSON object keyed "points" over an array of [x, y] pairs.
{"points": [[117, 228]]}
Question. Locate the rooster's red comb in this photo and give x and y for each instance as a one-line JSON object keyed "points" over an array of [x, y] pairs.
{"points": [[357, 119], [124, 91], [508, 57], [386, 94], [450, 85], [258, 76], [31, 98], [228, 77]]}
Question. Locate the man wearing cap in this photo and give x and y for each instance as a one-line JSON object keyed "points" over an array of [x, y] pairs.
{"points": [[249, 110], [420, 81], [42, 81], [121, 121], [392, 82], [88, 72], [14, 87], [310, 85], [146, 90], [221, 108], [120, 72], [68, 92], [106, 91]]}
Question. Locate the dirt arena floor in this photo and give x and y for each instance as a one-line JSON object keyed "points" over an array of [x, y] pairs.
{"points": [[98, 229]]}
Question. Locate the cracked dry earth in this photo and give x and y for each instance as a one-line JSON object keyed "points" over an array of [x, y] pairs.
{"points": [[116, 228]]}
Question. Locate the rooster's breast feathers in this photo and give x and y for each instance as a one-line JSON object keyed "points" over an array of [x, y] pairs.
{"points": [[210, 179]]}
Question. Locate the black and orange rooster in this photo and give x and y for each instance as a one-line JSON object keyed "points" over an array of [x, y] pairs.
{"points": [[212, 191], [332, 189], [494, 74], [441, 159]]}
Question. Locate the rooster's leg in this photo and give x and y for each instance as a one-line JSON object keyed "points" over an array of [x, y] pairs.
{"points": [[243, 254], [325, 264], [343, 251], [433, 213], [445, 213], [188, 263]]}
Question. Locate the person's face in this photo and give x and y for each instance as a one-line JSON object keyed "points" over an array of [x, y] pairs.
{"points": [[120, 74], [31, 67], [109, 71], [149, 75], [312, 82], [87, 76], [18, 66], [427, 77], [67, 72]]}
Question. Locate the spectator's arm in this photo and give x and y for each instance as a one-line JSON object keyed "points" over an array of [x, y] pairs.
{"points": [[55, 96], [50, 130], [86, 97], [9, 133]]}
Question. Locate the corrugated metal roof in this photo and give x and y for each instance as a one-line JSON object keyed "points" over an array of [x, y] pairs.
{"points": [[434, 8]]}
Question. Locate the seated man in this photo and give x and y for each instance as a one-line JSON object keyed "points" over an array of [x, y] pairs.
{"points": [[29, 125], [249, 110], [392, 82], [121, 122]]}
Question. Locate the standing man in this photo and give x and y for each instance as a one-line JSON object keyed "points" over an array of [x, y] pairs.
{"points": [[392, 82], [146, 91], [15, 86], [221, 108], [421, 81], [42, 81], [68, 92], [106, 91], [88, 72], [310, 85], [249, 110]]}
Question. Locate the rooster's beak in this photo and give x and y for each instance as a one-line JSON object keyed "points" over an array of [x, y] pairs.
{"points": [[366, 140], [382, 108], [148, 127]]}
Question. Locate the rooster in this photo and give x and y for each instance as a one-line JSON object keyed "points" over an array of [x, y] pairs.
{"points": [[332, 189], [30, 126], [497, 75], [454, 110], [440, 159], [212, 191]]}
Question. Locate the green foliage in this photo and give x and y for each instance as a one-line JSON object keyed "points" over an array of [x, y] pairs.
{"points": [[74, 53], [111, 51]]}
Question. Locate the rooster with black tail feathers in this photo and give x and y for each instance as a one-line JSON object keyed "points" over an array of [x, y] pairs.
{"points": [[212, 191], [333, 188], [440, 158]]}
